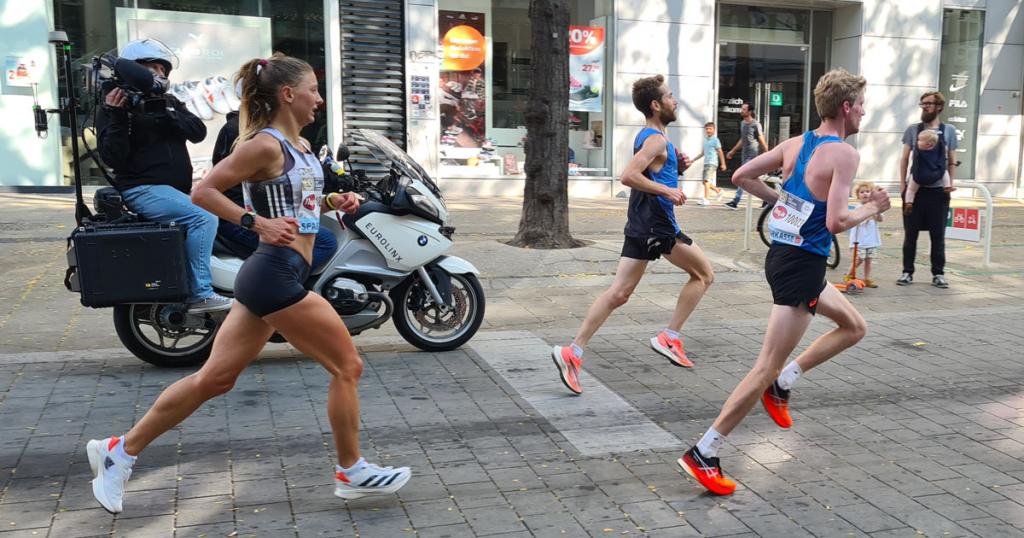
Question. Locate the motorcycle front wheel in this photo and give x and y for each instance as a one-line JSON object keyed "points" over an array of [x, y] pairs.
{"points": [[433, 327], [164, 335]]}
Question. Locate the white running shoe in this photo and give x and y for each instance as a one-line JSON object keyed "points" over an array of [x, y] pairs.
{"points": [[182, 94], [110, 474], [198, 99], [370, 480], [231, 93], [213, 92]]}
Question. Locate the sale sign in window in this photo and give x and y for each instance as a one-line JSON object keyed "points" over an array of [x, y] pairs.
{"points": [[586, 68]]}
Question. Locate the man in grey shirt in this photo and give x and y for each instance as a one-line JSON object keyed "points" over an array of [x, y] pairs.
{"points": [[931, 204], [751, 141]]}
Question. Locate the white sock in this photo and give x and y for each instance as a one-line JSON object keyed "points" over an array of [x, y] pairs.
{"points": [[354, 468], [709, 444], [789, 375], [120, 454], [576, 350], [671, 333]]}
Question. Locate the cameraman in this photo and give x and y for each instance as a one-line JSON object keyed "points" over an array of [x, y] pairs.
{"points": [[141, 135]]}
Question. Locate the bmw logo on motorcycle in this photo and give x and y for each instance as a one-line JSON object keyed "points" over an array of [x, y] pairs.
{"points": [[422, 241]]}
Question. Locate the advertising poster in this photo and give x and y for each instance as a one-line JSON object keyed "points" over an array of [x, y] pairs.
{"points": [[210, 49], [586, 68], [21, 71], [963, 224], [462, 86]]}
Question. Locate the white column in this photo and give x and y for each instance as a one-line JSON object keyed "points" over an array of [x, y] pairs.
{"points": [[332, 70]]}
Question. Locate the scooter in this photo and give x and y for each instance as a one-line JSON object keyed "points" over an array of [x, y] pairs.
{"points": [[390, 264], [851, 284]]}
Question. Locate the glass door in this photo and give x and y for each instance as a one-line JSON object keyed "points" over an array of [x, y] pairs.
{"points": [[772, 80]]}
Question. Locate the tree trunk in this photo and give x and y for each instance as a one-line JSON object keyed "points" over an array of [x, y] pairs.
{"points": [[545, 219]]}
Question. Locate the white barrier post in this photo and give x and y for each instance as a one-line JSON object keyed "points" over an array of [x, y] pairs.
{"points": [[988, 216], [749, 211]]}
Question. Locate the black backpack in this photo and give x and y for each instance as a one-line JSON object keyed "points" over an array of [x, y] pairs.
{"points": [[929, 166]]}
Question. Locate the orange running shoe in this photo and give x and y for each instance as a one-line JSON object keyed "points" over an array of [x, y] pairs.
{"points": [[776, 402], [707, 471], [568, 367], [671, 348]]}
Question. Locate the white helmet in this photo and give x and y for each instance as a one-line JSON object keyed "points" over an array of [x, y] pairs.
{"points": [[150, 50]]}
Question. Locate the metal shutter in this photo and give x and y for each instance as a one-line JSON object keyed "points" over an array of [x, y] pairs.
{"points": [[373, 72]]}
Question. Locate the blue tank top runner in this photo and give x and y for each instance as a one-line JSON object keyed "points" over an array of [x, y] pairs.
{"points": [[798, 218], [650, 215]]}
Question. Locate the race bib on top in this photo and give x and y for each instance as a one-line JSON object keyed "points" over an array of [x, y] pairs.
{"points": [[787, 217], [312, 194]]}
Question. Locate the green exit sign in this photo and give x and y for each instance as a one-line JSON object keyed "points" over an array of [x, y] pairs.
{"points": [[775, 99]]}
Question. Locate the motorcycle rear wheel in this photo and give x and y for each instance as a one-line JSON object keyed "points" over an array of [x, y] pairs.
{"points": [[416, 316], [146, 331]]}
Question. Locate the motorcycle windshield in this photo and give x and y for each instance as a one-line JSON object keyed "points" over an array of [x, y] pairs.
{"points": [[386, 151]]}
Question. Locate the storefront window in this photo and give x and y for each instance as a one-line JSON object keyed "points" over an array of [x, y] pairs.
{"points": [[959, 80], [485, 80], [211, 41]]}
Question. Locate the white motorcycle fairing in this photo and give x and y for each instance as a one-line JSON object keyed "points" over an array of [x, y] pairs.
{"points": [[405, 243], [454, 265], [224, 269]]}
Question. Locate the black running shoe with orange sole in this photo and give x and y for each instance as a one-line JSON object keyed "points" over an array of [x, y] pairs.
{"points": [[706, 471]]}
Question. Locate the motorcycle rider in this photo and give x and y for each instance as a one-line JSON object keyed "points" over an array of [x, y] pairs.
{"points": [[245, 240], [144, 142], [283, 185]]}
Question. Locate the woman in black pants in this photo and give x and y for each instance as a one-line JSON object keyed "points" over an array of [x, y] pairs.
{"points": [[283, 183]]}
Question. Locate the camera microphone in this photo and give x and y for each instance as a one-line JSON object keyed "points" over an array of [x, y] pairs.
{"points": [[137, 76]]}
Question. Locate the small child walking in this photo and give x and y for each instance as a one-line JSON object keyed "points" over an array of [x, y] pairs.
{"points": [[866, 236], [714, 160]]}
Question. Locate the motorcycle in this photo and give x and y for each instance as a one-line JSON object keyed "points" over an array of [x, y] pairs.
{"points": [[390, 264]]}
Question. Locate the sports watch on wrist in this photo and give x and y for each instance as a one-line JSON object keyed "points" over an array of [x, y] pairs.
{"points": [[248, 220]]}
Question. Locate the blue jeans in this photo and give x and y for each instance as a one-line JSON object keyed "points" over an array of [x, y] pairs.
{"points": [[739, 194], [163, 203], [323, 246]]}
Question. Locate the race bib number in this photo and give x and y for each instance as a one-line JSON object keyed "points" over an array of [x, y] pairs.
{"points": [[787, 217], [312, 194]]}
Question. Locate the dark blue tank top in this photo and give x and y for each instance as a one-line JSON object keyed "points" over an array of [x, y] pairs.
{"points": [[650, 215], [814, 235]]}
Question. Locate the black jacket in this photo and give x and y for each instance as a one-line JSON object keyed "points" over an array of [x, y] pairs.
{"points": [[149, 149], [225, 139]]}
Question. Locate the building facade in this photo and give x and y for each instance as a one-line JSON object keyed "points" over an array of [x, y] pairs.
{"points": [[448, 79]]}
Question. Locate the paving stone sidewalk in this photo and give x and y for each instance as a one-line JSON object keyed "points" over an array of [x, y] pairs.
{"points": [[917, 431], [901, 437]]}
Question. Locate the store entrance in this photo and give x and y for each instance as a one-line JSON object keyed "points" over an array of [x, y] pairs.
{"points": [[772, 79]]}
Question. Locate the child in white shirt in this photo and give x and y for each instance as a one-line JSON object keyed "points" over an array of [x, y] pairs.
{"points": [[866, 235]]}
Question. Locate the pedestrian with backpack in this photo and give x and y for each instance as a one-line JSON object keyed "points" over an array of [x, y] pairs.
{"points": [[926, 202]]}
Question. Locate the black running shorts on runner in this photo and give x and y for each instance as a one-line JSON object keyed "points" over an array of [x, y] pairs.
{"points": [[796, 276], [271, 279], [651, 248]]}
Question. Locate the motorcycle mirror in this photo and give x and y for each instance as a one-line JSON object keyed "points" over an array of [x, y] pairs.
{"points": [[343, 152], [325, 152]]}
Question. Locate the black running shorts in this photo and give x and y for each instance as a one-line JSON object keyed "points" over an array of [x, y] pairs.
{"points": [[271, 279], [651, 248], [796, 276]]}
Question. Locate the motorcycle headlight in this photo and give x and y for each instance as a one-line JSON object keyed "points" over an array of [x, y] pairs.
{"points": [[421, 202]]}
